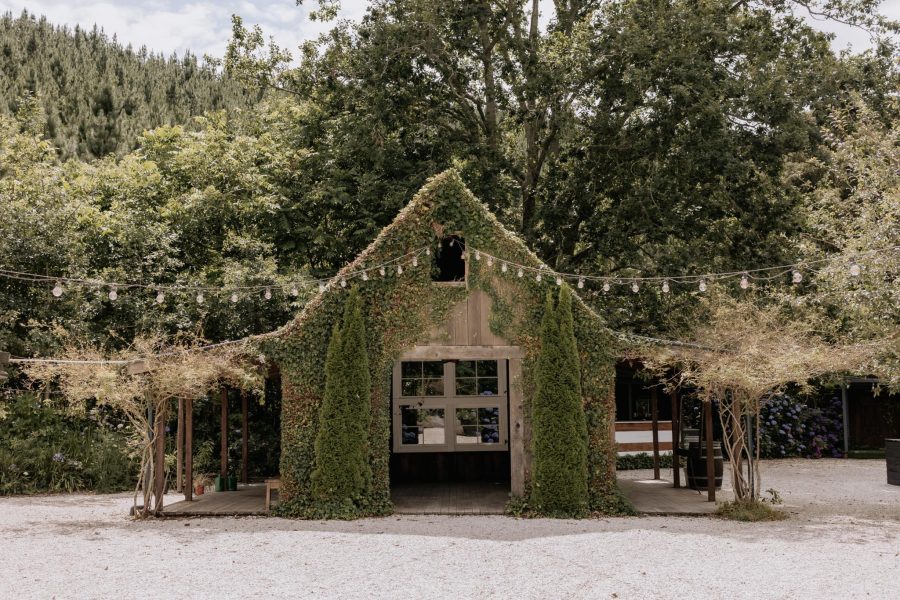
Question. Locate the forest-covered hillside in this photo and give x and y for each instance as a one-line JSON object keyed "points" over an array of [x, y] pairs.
{"points": [[98, 95]]}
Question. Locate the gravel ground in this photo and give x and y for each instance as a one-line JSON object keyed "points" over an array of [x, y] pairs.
{"points": [[842, 541]]}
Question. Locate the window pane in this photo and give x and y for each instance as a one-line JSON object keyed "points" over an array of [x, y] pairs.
{"points": [[465, 368], [487, 368], [409, 370], [434, 387], [489, 416], [487, 386], [465, 387], [422, 425], [433, 369], [411, 387], [490, 435], [468, 435]]}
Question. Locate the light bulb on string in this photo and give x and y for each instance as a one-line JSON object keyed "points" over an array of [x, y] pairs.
{"points": [[745, 281], [321, 287], [558, 280], [520, 272], [113, 293], [382, 271], [855, 269], [635, 287], [343, 283], [160, 297], [200, 298], [581, 283], [399, 269], [537, 277], [365, 275], [294, 291], [605, 286], [477, 255], [57, 290], [415, 261], [234, 298], [796, 276], [490, 261], [503, 268], [665, 286], [702, 285], [268, 294]]}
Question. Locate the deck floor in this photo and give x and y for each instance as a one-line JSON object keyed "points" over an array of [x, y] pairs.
{"points": [[247, 500], [658, 497], [475, 498]]}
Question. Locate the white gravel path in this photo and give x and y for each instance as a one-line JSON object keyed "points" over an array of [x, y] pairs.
{"points": [[81, 546]]}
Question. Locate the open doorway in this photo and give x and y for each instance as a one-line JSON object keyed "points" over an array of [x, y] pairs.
{"points": [[450, 436]]}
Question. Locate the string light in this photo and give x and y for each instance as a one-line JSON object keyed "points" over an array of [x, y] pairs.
{"points": [[321, 288], [57, 290], [200, 298], [160, 297], [427, 251], [702, 285], [745, 281], [520, 272], [581, 283], [558, 280], [113, 293], [605, 286], [665, 286], [294, 291], [796, 276], [635, 287], [477, 255], [382, 271], [537, 277], [399, 269], [415, 261], [268, 294], [490, 261], [365, 275], [854, 269], [343, 283], [503, 267], [234, 298]]}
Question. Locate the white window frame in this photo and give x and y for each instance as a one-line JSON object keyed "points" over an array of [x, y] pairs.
{"points": [[449, 402]]}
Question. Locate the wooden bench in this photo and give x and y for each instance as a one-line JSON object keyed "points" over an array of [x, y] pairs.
{"points": [[272, 484]]}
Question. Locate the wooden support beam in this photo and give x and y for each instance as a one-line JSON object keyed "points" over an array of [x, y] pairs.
{"points": [[245, 442], [676, 439], [223, 456], [189, 449], [654, 415], [179, 448], [159, 460], [710, 458]]}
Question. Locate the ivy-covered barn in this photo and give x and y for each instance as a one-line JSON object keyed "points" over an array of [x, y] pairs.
{"points": [[452, 337]]}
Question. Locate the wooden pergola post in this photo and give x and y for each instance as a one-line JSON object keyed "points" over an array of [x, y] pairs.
{"points": [[676, 439], [189, 449], [654, 413], [710, 459], [245, 440], [159, 459], [179, 448], [223, 457]]}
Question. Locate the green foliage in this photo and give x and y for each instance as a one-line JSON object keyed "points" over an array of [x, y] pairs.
{"points": [[97, 97], [358, 389], [642, 460], [559, 430], [44, 449], [750, 511]]}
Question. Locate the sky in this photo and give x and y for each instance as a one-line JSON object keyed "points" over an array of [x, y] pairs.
{"points": [[204, 26]]}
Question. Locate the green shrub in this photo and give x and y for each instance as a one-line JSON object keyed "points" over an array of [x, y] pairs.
{"points": [[631, 462], [750, 511], [44, 449], [559, 481]]}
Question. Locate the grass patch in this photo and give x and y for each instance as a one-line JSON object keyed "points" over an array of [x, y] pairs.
{"points": [[750, 511]]}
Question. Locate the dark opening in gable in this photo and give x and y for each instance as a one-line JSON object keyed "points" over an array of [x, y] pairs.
{"points": [[449, 261]]}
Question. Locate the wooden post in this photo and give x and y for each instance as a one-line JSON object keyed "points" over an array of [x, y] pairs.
{"points": [[845, 415], [654, 413], [245, 449], [159, 463], [676, 439], [223, 456], [179, 448], [710, 459], [189, 449]]}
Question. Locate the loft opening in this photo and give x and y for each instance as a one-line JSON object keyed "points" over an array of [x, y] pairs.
{"points": [[449, 262]]}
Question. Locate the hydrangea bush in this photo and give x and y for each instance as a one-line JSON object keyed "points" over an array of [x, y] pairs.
{"points": [[789, 427]]}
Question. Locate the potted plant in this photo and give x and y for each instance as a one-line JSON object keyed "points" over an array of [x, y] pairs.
{"points": [[200, 483]]}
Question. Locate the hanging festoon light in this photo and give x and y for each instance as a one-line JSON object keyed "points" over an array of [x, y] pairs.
{"points": [[200, 298], [520, 273], [745, 281], [635, 287], [702, 285], [343, 282], [503, 267], [382, 271], [365, 275], [268, 294], [605, 286], [113, 293], [321, 287], [855, 269], [160, 297], [427, 251], [558, 280], [294, 291], [57, 290], [234, 297], [796, 276], [490, 261], [415, 261], [581, 283], [537, 277], [399, 269], [477, 255], [665, 286]]}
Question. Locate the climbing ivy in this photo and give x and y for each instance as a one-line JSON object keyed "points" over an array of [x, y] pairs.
{"points": [[401, 310]]}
